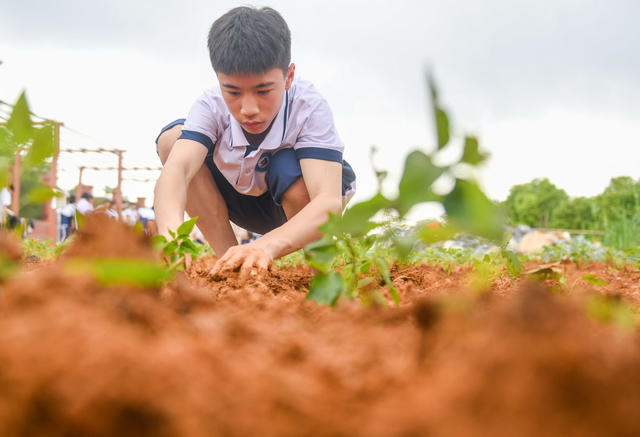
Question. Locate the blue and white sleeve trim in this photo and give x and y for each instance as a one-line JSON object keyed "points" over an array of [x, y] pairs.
{"points": [[198, 137], [319, 153]]}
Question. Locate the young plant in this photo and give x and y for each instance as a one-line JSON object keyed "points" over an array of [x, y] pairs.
{"points": [[362, 268], [346, 237], [176, 250]]}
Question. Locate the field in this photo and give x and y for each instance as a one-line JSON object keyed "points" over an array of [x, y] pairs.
{"points": [[198, 356]]}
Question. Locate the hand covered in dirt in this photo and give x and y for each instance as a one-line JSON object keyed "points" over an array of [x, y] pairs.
{"points": [[250, 258]]}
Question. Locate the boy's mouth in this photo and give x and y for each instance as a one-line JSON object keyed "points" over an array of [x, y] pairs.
{"points": [[253, 124]]}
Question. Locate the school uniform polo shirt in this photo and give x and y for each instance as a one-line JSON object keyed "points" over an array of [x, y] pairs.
{"points": [[304, 124]]}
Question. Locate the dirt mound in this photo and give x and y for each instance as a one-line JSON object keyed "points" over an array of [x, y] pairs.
{"points": [[9, 247], [101, 236], [529, 365], [199, 357]]}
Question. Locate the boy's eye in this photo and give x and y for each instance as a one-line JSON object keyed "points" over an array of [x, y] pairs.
{"points": [[234, 93], [263, 92]]}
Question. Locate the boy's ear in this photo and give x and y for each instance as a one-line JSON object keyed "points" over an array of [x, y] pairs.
{"points": [[290, 74]]}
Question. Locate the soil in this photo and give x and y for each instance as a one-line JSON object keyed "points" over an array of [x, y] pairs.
{"points": [[200, 357]]}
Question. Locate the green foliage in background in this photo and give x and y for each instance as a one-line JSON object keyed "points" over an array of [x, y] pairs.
{"points": [[615, 212], [533, 203], [44, 249], [36, 145]]}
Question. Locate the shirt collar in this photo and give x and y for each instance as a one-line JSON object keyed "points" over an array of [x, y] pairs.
{"points": [[274, 138]]}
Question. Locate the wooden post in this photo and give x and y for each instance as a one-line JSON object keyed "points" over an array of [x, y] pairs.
{"points": [[15, 196], [80, 189], [50, 212], [119, 187]]}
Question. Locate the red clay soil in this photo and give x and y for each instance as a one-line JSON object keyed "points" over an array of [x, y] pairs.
{"points": [[200, 357]]}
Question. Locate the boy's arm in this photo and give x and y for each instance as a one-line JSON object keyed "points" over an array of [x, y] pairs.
{"points": [[323, 180], [170, 198]]}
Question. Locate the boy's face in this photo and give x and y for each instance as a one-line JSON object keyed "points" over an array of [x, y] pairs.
{"points": [[255, 99]]}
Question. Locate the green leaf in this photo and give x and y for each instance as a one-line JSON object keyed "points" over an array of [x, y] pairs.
{"points": [[19, 122], [188, 246], [158, 242], [472, 154], [355, 220], [8, 146], [364, 282], [320, 254], [172, 234], [415, 185], [469, 209], [369, 241], [170, 248], [185, 229], [42, 146], [514, 266], [40, 194], [115, 271], [80, 219], [441, 118], [442, 126], [432, 234], [365, 267], [325, 288], [383, 269], [594, 279], [5, 164]]}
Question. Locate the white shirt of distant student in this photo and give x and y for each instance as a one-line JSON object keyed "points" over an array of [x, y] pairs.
{"points": [[5, 196], [304, 123], [68, 210], [129, 216], [84, 206], [146, 213]]}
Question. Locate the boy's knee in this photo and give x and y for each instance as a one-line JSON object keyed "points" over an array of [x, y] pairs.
{"points": [[166, 140], [297, 194]]}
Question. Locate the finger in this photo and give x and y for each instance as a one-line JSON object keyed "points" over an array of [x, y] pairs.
{"points": [[248, 266], [187, 262], [221, 262], [263, 263], [235, 261]]}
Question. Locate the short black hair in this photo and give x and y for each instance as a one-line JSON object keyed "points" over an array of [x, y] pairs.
{"points": [[249, 40], [87, 196]]}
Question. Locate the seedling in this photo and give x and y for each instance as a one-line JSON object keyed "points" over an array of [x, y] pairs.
{"points": [[593, 279], [349, 245], [176, 250]]}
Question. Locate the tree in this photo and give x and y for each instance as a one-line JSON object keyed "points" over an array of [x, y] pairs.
{"points": [[578, 213], [533, 203]]}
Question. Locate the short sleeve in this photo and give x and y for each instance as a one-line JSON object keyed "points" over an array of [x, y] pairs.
{"points": [[201, 124], [318, 138]]}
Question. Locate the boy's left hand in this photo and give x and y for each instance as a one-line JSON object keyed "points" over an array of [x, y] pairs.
{"points": [[248, 257]]}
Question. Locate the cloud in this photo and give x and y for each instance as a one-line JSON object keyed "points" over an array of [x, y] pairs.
{"points": [[525, 76]]}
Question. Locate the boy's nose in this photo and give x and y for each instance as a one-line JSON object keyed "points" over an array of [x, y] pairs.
{"points": [[249, 107]]}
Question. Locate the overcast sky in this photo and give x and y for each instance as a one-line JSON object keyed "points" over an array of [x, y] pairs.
{"points": [[552, 89]]}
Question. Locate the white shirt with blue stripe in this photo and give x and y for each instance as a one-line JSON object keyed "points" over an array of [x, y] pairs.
{"points": [[304, 123]]}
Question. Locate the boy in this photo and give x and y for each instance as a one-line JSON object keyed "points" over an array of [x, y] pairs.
{"points": [[261, 149]]}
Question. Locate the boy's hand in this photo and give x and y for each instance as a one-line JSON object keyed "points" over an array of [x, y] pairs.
{"points": [[248, 257]]}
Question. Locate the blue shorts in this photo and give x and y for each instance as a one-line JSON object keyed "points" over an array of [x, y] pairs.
{"points": [[261, 214]]}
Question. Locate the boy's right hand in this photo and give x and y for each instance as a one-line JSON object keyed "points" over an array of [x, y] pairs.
{"points": [[248, 257]]}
